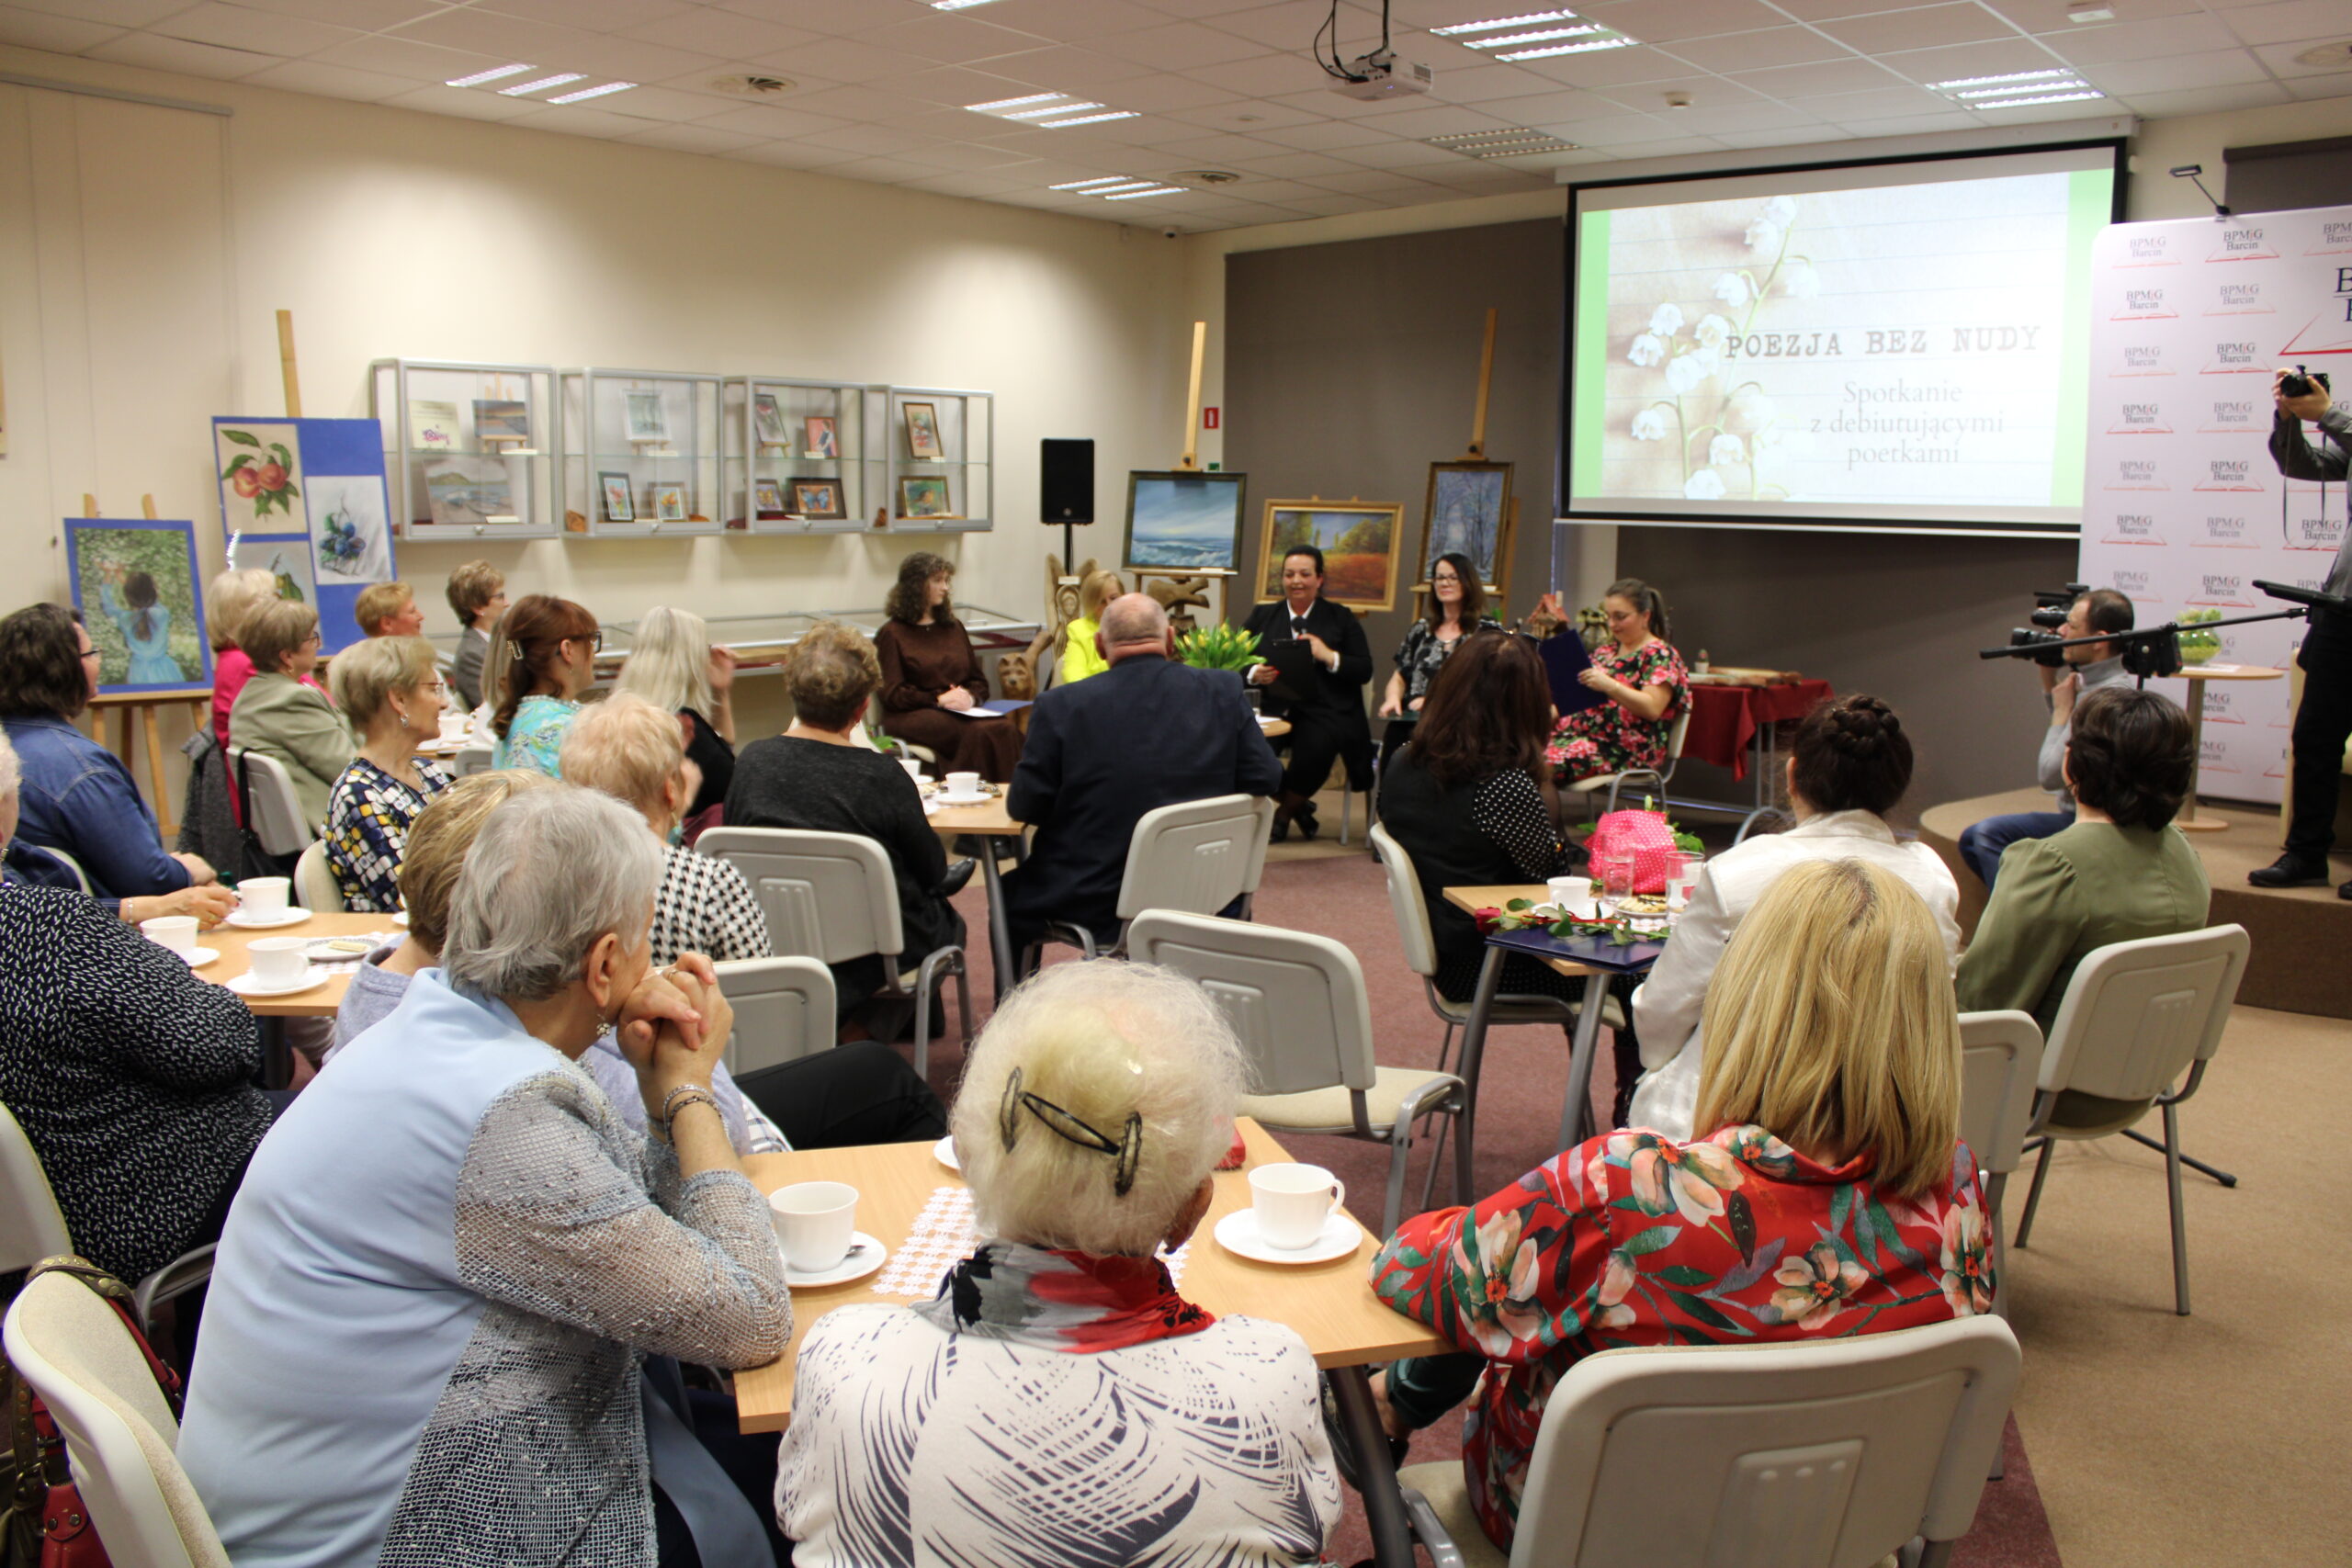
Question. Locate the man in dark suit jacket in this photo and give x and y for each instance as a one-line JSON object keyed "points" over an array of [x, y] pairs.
{"points": [[1146, 732], [1326, 719]]}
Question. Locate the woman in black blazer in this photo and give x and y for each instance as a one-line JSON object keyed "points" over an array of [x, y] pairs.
{"points": [[1326, 719]]}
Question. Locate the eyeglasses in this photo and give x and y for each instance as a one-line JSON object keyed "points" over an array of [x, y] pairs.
{"points": [[439, 688], [92, 653]]}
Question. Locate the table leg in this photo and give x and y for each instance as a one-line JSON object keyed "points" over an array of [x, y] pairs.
{"points": [[2189, 821], [1473, 1050], [156, 771], [1000, 925], [1383, 1504], [1576, 1110]]}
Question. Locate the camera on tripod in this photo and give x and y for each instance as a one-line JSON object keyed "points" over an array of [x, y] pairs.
{"points": [[2301, 383], [2051, 607]]}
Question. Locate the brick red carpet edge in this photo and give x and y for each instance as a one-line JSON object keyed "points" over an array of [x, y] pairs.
{"points": [[1519, 1116]]}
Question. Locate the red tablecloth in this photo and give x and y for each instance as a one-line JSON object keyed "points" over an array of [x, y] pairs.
{"points": [[1724, 719]]}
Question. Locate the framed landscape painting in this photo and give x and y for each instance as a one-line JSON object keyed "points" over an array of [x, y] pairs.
{"points": [[1184, 522], [1469, 511], [1359, 541]]}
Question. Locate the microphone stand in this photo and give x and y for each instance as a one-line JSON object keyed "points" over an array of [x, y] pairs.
{"points": [[2147, 650]]}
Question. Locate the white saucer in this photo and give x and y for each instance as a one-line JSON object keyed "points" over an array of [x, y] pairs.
{"points": [[292, 917], [943, 1152], [245, 984], [399, 918], [197, 957], [865, 1254], [947, 799], [1237, 1232]]}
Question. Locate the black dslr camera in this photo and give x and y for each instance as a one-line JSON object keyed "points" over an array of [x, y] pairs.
{"points": [[2050, 608], [2302, 383]]}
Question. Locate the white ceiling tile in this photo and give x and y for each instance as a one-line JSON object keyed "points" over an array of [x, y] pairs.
{"points": [[886, 170], [1439, 120], [1331, 105], [967, 185], [581, 121], [1296, 166], [1291, 26], [1886, 102], [1074, 20], [2049, 16], [1623, 130], [952, 39], [1557, 108], [1930, 27], [1492, 82], [1912, 125], [1703, 119], [1397, 155], [159, 53], [397, 56], [2311, 88], [952, 84], [851, 101], [1326, 136], [1759, 139], [1790, 83], [112, 13], [726, 34], [1750, 52], [1068, 70], [1653, 23], [1178, 46], [58, 35], [359, 15], [591, 15], [2142, 40], [242, 27], [2209, 100], [831, 16], [772, 121], [792, 155], [1376, 182], [872, 140], [1247, 214], [2133, 78], [488, 32], [331, 81], [1998, 57], [1249, 116], [845, 59], [969, 155], [1265, 76], [1610, 67], [633, 61], [1224, 149], [1146, 131], [1826, 10], [462, 104], [1330, 204], [658, 103], [1203, 10], [1157, 95], [690, 139], [2291, 21], [2280, 57]]}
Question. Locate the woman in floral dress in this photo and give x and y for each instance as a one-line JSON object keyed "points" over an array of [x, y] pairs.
{"points": [[1832, 1196], [1645, 682]]}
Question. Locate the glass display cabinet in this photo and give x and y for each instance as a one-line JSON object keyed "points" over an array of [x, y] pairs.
{"points": [[468, 448], [936, 451], [794, 456], [641, 453]]}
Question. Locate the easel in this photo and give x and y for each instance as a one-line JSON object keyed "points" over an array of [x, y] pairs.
{"points": [[1507, 529], [143, 704], [1190, 463]]}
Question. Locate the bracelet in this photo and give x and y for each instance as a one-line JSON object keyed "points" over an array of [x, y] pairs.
{"points": [[670, 1101]]}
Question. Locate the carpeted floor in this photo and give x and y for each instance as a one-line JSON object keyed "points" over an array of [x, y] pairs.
{"points": [[2153, 1439]]}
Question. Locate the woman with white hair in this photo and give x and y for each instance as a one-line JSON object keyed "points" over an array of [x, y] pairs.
{"points": [[673, 664], [437, 1288], [390, 690], [1060, 1402]]}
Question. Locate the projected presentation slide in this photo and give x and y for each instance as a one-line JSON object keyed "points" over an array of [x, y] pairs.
{"points": [[1899, 346]]}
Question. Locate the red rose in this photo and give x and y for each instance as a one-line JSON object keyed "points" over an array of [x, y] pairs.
{"points": [[273, 476], [1487, 918], [246, 482]]}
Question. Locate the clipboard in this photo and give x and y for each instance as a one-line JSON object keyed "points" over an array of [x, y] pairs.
{"points": [[1565, 658], [1294, 670]]}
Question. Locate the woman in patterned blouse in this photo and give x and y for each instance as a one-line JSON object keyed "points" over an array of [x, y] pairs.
{"points": [[636, 753], [1645, 682], [1831, 1197], [1457, 608], [390, 689], [544, 656]]}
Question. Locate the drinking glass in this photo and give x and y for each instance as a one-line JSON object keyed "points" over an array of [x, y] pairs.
{"points": [[1613, 876], [1682, 879]]}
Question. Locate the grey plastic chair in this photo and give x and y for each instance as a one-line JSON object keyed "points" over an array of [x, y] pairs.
{"points": [[1660, 777], [1299, 1005], [33, 1228], [832, 897], [1196, 856], [784, 1010], [120, 1439], [315, 888], [68, 862], [469, 760], [2136, 1016], [272, 808], [2001, 1057], [1828, 1454]]}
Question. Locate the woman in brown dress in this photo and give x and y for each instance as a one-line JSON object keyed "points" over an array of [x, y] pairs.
{"points": [[930, 675]]}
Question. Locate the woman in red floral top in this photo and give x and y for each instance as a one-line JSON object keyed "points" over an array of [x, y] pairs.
{"points": [[1646, 686], [1833, 1198]]}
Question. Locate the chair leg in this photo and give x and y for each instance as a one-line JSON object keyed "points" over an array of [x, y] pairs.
{"points": [[963, 1005], [922, 1025], [2223, 1176], [1391, 1213], [2179, 1221], [2033, 1193]]}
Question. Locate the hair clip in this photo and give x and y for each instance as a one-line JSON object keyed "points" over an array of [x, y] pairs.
{"points": [[1127, 1147]]}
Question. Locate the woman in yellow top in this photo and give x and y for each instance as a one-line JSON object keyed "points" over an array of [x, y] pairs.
{"points": [[1080, 658]]}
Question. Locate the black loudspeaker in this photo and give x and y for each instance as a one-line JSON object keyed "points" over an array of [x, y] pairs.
{"points": [[1065, 481]]}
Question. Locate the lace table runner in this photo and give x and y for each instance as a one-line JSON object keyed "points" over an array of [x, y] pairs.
{"points": [[943, 1237]]}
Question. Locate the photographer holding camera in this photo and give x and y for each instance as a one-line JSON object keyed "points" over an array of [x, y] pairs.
{"points": [[2085, 669], [2324, 720]]}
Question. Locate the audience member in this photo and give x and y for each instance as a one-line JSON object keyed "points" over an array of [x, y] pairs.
{"points": [[233, 596], [279, 716], [1848, 766], [817, 777], [390, 688], [462, 1214], [1084, 788], [132, 1077], [1060, 1402], [1469, 799], [1641, 676], [1081, 655], [673, 664], [389, 609], [1457, 608], [931, 677], [478, 593], [544, 656], [76, 796], [2087, 668], [630, 749], [1831, 1094], [1326, 720], [2122, 871]]}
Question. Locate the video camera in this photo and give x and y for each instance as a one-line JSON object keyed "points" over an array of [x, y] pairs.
{"points": [[2302, 383], [2050, 609]]}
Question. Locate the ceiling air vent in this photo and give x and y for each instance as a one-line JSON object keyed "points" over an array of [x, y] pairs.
{"points": [[2327, 56], [750, 86], [1207, 177]]}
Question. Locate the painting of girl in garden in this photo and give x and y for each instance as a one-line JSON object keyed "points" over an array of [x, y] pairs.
{"points": [[135, 584]]}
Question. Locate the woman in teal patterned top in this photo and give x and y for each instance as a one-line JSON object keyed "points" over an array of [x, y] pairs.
{"points": [[546, 657]]}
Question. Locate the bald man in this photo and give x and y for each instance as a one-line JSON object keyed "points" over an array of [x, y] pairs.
{"points": [[1146, 732]]}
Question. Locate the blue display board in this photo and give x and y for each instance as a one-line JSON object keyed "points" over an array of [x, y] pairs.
{"points": [[318, 482]]}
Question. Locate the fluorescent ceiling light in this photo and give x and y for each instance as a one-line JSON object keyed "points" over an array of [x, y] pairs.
{"points": [[1499, 22], [1002, 104], [1156, 191], [556, 81], [1994, 80], [2017, 89], [1540, 35], [955, 4], [1509, 143], [1040, 114], [497, 74], [1104, 180], [2046, 98], [593, 92], [1568, 49], [1087, 119], [1123, 185]]}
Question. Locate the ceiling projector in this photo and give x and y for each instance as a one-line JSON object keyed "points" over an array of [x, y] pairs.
{"points": [[1380, 75]]}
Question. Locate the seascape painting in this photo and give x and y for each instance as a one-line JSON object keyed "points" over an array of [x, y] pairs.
{"points": [[1184, 522]]}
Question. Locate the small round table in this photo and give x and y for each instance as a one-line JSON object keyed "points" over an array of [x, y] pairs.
{"points": [[2197, 675]]}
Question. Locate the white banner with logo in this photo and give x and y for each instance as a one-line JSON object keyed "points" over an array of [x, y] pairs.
{"points": [[2182, 507]]}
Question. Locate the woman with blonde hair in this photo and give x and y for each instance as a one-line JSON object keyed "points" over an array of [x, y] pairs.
{"points": [[673, 664], [280, 714], [390, 688], [1831, 1195], [231, 597], [1080, 658], [1060, 1395]]}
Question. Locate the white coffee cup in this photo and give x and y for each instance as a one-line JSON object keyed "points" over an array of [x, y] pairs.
{"points": [[963, 787], [815, 1222], [280, 960], [1570, 893], [1292, 1202], [175, 932], [455, 725], [263, 897], [914, 769]]}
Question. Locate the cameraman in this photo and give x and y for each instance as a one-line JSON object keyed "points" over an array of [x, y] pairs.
{"points": [[2324, 720], [2092, 665]]}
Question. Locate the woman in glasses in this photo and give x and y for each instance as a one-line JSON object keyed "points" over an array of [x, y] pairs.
{"points": [[390, 690], [545, 658]]}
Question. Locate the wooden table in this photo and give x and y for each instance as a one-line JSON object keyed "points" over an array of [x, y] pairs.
{"points": [[988, 819], [2197, 675], [320, 1001], [144, 704], [1330, 1304]]}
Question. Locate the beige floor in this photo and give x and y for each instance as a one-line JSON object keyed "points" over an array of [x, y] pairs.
{"points": [[2219, 1437]]}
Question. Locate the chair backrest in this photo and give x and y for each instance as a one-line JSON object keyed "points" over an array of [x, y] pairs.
{"points": [[2000, 1058], [31, 1224], [468, 759], [2137, 1013], [1833, 1452], [1407, 902], [784, 1010], [74, 1349], [1196, 855], [1297, 1001], [272, 808], [68, 862], [830, 897], [1679, 733], [315, 888]]}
